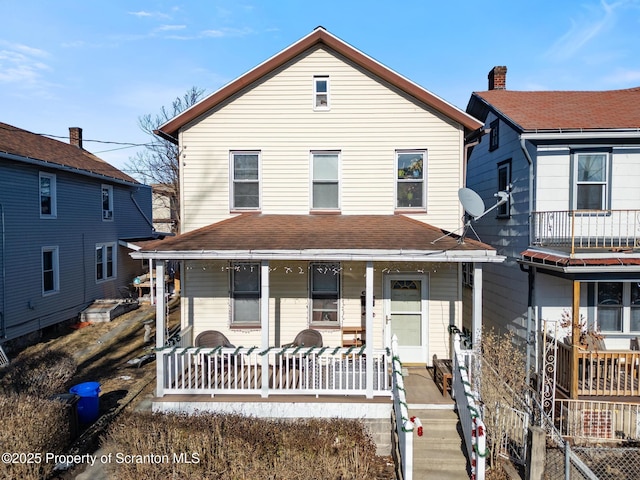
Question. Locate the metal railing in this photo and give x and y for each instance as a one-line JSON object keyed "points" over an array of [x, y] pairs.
{"points": [[277, 370], [404, 427], [586, 229]]}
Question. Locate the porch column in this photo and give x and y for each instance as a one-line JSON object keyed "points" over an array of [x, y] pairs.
{"points": [[575, 340], [160, 323], [476, 311], [369, 327], [264, 324]]}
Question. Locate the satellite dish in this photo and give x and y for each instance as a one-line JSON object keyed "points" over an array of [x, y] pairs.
{"points": [[471, 202]]}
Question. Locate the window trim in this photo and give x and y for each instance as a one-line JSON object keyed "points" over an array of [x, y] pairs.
{"points": [[313, 182], [53, 194], [625, 307], [336, 270], [107, 215], [504, 210], [234, 266], [425, 157], [494, 135], [233, 181], [105, 263], [606, 197], [316, 93], [55, 269]]}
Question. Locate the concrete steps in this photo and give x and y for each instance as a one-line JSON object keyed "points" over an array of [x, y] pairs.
{"points": [[440, 452]]}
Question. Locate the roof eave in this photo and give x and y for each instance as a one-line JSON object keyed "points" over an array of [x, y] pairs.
{"points": [[431, 256]]}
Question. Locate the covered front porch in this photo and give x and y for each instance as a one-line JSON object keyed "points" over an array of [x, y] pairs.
{"points": [[356, 281]]}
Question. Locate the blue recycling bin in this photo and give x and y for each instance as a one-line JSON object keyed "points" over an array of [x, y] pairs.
{"points": [[89, 403]]}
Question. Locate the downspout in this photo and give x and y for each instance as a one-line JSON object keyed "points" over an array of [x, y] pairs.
{"points": [[530, 276]]}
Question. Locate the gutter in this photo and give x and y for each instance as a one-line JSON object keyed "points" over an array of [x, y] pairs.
{"points": [[582, 135]]}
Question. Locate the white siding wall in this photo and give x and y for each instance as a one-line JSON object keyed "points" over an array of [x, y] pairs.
{"points": [[367, 122], [208, 296]]}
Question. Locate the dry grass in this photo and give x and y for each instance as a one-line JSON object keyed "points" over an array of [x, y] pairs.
{"points": [[31, 425], [230, 447], [42, 374]]}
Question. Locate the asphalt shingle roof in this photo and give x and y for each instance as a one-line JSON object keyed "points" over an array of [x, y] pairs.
{"points": [[16, 141], [567, 110]]}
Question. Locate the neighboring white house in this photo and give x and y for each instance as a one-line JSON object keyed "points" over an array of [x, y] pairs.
{"points": [[317, 192], [571, 229]]}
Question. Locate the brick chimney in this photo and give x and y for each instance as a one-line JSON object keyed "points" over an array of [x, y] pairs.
{"points": [[75, 136], [498, 78]]}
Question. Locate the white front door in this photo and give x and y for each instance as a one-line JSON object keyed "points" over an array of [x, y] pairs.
{"points": [[406, 315]]}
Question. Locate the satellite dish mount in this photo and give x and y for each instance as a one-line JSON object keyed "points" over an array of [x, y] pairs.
{"points": [[475, 209]]}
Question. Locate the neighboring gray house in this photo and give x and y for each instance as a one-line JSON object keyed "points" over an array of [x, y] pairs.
{"points": [[571, 230], [66, 220]]}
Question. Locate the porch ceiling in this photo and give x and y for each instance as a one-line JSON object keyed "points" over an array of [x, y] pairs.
{"points": [[339, 237]]}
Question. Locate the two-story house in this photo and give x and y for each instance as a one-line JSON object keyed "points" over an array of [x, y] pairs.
{"points": [[317, 193], [570, 231], [65, 218]]}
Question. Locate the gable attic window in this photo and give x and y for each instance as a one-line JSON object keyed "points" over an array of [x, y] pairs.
{"points": [[321, 92], [107, 202], [591, 181], [494, 135], [48, 203], [245, 180]]}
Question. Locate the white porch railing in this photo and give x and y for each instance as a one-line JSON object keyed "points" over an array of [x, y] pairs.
{"points": [[469, 412], [596, 420], [403, 425], [250, 371], [586, 229]]}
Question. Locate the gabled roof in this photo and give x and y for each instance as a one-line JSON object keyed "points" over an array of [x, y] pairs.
{"points": [[23, 145], [318, 37], [356, 237], [561, 110]]}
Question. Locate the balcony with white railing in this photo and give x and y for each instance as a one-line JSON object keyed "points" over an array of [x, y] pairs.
{"points": [[587, 230], [275, 371]]}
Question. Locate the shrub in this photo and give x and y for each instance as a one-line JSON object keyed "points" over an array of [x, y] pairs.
{"points": [[41, 374], [229, 447], [31, 425]]}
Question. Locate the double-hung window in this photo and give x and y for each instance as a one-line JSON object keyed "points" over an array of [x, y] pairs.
{"points": [[618, 307], [325, 292], [48, 208], [325, 171], [245, 180], [245, 293], [107, 202], [105, 261], [50, 269], [504, 180], [494, 135], [321, 92], [411, 187], [591, 181]]}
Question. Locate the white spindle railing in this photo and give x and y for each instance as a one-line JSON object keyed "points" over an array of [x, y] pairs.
{"points": [[404, 425], [301, 370], [469, 412]]}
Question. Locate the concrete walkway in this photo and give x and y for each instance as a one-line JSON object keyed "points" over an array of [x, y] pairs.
{"points": [[440, 453]]}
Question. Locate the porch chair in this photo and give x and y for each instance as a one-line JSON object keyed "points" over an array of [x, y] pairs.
{"points": [[213, 339], [305, 338]]}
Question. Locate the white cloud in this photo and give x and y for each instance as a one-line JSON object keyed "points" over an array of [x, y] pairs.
{"points": [[226, 32], [145, 14], [21, 65], [593, 23], [167, 28], [623, 78]]}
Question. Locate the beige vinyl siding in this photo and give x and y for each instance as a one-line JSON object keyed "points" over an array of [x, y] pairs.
{"points": [[368, 121], [445, 302]]}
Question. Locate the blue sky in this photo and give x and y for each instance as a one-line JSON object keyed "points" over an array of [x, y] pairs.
{"points": [[101, 65]]}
